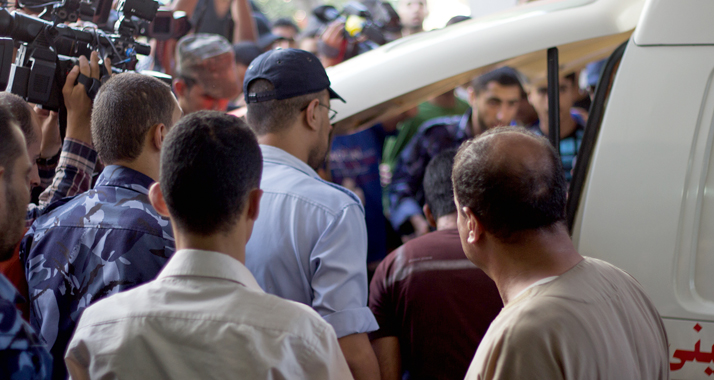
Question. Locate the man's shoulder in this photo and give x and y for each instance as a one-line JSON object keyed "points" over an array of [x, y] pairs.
{"points": [[105, 207], [435, 251], [281, 180], [442, 124], [265, 312]]}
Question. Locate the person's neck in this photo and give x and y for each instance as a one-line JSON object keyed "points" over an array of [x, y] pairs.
{"points": [[231, 244], [567, 125], [446, 100], [476, 127], [539, 254], [295, 145], [446, 222], [144, 165]]}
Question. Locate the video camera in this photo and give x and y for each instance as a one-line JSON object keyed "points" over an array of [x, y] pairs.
{"points": [[365, 29], [47, 50]]}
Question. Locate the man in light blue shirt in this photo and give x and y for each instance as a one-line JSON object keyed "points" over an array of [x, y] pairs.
{"points": [[310, 242]]}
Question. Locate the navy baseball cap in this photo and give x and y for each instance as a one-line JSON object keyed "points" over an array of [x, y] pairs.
{"points": [[292, 72]]}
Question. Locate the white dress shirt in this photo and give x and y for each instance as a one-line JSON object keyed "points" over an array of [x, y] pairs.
{"points": [[203, 317]]}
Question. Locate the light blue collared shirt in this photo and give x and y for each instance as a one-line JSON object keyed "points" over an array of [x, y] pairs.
{"points": [[309, 243]]}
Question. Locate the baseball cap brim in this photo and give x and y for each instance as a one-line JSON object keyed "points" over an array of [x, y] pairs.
{"points": [[333, 95]]}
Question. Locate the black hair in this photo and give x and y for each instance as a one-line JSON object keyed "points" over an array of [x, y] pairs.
{"points": [[125, 109], [284, 21], [21, 112], [273, 116], [209, 164], [505, 76], [508, 195], [10, 146], [438, 190]]}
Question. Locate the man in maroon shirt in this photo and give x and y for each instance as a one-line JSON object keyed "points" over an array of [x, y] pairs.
{"points": [[432, 305]]}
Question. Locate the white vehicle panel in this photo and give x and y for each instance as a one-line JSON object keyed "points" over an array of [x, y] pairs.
{"points": [[683, 22], [452, 56]]}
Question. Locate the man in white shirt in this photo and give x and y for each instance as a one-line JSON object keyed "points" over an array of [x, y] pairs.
{"points": [[205, 316], [565, 316]]}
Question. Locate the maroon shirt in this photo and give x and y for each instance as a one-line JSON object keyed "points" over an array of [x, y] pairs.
{"points": [[439, 305]]}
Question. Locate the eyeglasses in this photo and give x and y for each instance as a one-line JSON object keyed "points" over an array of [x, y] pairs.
{"points": [[330, 111]]}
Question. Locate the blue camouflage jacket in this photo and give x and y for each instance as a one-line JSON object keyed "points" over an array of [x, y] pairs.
{"points": [[22, 354], [85, 248], [406, 193]]}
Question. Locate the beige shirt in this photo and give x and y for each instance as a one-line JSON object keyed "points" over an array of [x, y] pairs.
{"points": [[592, 322], [204, 317]]}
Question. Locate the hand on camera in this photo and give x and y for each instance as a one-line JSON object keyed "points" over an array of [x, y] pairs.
{"points": [[78, 103]]}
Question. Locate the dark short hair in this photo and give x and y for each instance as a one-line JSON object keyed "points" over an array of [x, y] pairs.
{"points": [[273, 116], [284, 21], [505, 76], [125, 109], [209, 164], [508, 196], [438, 190], [21, 112], [10, 146]]}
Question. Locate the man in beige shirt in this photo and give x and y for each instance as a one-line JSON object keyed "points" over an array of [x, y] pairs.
{"points": [[565, 316]]}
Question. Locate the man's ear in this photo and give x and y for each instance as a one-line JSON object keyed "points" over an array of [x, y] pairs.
{"points": [[312, 119], [472, 95], [254, 203], [474, 226], [156, 197], [429, 216], [179, 87], [158, 134]]}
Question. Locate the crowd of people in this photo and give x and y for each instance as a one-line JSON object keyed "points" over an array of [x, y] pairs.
{"points": [[215, 228]]}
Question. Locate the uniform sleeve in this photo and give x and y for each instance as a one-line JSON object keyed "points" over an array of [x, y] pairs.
{"points": [[339, 280], [22, 355]]}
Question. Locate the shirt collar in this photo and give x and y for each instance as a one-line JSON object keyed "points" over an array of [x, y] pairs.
{"points": [[8, 291], [279, 156], [121, 176], [200, 263]]}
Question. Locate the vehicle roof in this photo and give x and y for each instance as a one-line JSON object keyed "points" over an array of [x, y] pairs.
{"points": [[393, 78]]}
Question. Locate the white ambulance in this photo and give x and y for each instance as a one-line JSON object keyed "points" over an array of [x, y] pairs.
{"points": [[642, 195]]}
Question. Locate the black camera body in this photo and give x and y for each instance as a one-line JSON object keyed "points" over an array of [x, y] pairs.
{"points": [[46, 51], [365, 27]]}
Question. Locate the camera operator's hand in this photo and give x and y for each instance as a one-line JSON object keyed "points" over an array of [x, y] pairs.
{"points": [[331, 45], [79, 106]]}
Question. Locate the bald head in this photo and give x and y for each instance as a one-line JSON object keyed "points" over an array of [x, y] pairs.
{"points": [[512, 180]]}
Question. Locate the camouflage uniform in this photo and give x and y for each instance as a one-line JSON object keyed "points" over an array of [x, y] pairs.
{"points": [[406, 194], [22, 354], [85, 248]]}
